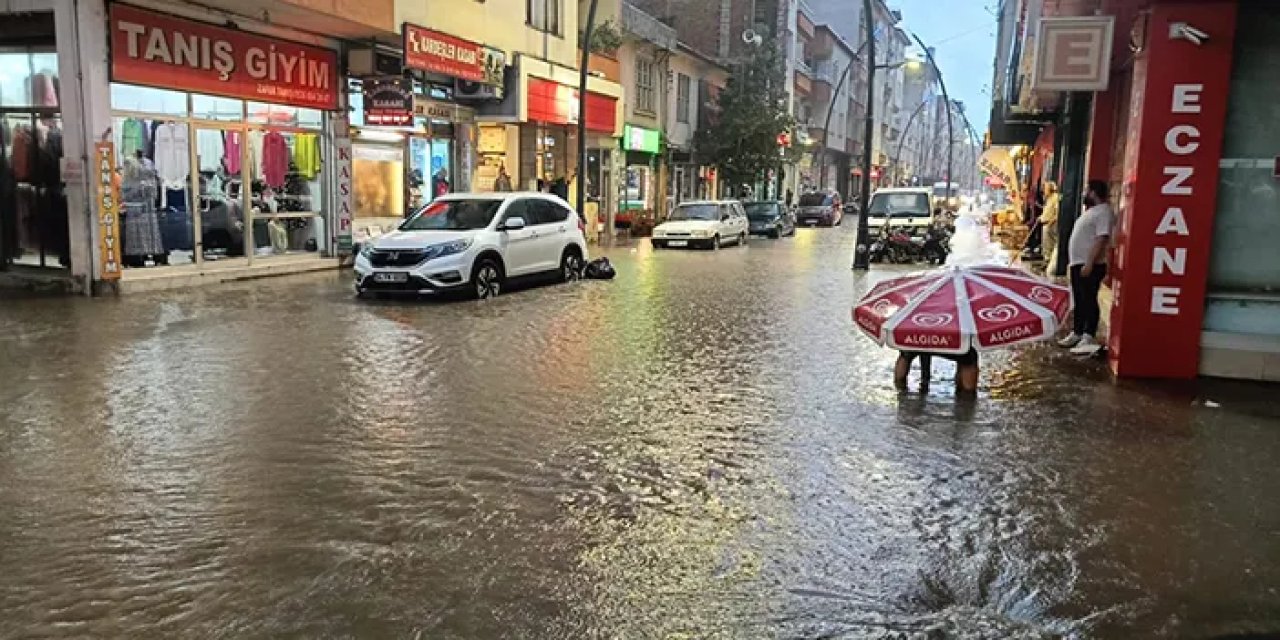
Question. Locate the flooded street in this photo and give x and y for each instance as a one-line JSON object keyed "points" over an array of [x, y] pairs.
{"points": [[702, 448]]}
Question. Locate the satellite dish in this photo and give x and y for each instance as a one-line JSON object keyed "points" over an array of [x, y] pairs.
{"points": [[749, 36]]}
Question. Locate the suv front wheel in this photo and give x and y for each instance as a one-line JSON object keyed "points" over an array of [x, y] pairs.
{"points": [[486, 279]]}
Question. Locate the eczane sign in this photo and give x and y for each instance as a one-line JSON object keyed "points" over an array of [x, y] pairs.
{"points": [[1073, 54]]}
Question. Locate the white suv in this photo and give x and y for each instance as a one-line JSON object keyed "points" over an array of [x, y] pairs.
{"points": [[475, 242]]}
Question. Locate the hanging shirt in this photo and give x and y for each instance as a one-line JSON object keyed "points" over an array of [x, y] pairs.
{"points": [[255, 154], [231, 153], [306, 155], [21, 153], [173, 157], [133, 138], [209, 150], [275, 159]]}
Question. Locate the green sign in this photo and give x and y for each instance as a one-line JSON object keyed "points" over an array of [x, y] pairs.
{"points": [[641, 139]]}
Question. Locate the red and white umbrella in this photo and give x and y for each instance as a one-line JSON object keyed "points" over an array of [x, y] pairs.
{"points": [[957, 308]]}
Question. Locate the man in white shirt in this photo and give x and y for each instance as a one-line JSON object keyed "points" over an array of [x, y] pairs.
{"points": [[1087, 254]]}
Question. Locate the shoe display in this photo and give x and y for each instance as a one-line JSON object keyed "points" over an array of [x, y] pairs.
{"points": [[1070, 341]]}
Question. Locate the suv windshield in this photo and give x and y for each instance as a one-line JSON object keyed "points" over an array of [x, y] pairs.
{"points": [[815, 200], [696, 212], [899, 205], [453, 215], [762, 210]]}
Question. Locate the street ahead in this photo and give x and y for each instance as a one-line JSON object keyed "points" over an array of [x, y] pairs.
{"points": [[704, 447]]}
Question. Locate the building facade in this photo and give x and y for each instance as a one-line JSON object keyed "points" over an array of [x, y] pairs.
{"points": [[1172, 107]]}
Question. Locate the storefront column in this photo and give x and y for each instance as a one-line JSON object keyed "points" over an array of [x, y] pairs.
{"points": [[82, 53], [1075, 130], [1179, 107]]}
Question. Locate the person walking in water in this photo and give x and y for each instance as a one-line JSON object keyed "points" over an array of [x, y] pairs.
{"points": [[1087, 255], [966, 370]]}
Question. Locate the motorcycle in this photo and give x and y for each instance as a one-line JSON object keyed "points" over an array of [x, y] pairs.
{"points": [[934, 247]]}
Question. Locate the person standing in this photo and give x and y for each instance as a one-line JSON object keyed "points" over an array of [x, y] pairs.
{"points": [[1087, 254], [1049, 224]]}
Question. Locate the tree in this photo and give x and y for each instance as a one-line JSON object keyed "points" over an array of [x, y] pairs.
{"points": [[741, 138]]}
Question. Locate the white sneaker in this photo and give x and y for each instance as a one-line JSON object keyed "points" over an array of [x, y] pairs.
{"points": [[1086, 347], [1071, 340]]}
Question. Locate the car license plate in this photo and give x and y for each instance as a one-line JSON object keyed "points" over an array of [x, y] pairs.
{"points": [[679, 243], [391, 277]]}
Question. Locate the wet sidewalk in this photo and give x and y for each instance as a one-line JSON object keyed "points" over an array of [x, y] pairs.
{"points": [[704, 447]]}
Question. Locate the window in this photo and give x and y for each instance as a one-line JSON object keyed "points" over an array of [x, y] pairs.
{"points": [[682, 99], [522, 209], [453, 215], [544, 15], [644, 85], [544, 212]]}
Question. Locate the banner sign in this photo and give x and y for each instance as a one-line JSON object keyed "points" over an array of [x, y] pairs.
{"points": [[106, 192], [997, 163], [162, 51], [342, 149], [444, 54], [388, 101]]}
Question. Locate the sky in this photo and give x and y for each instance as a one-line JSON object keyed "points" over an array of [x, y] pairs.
{"points": [[964, 34]]}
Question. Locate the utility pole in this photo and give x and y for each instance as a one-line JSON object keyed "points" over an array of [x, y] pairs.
{"points": [[951, 136], [861, 259], [582, 114]]}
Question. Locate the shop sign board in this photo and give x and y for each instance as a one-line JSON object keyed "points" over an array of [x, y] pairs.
{"points": [[554, 103], [158, 50], [346, 195], [440, 110], [436, 52], [641, 139], [106, 192], [1170, 194], [388, 101], [1073, 54]]}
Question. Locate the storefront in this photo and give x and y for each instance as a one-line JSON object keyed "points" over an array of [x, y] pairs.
{"points": [[643, 148], [412, 140], [220, 140], [530, 136]]}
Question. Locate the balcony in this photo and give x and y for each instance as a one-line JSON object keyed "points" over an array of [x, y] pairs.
{"points": [[648, 28]]}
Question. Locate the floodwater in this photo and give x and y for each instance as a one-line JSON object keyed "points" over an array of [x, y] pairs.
{"points": [[703, 448]]}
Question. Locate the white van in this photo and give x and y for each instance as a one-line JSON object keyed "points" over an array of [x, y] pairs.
{"points": [[905, 207]]}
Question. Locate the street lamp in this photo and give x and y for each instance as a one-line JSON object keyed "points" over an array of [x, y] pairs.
{"points": [[861, 256]]}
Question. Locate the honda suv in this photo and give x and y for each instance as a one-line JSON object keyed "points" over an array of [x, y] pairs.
{"points": [[475, 243]]}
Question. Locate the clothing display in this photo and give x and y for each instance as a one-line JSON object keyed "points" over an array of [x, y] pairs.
{"points": [[209, 150], [141, 221], [134, 135], [306, 154], [275, 159], [231, 152], [172, 155]]}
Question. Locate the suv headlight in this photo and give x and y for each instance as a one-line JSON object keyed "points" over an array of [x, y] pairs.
{"points": [[447, 249], [366, 250]]}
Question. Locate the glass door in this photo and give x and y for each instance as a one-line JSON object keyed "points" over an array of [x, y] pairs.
{"points": [[285, 192], [220, 158]]}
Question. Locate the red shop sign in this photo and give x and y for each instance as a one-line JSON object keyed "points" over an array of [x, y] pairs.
{"points": [[555, 103], [154, 49], [442, 53]]}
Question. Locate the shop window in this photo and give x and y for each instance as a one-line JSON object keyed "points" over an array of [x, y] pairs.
{"points": [[282, 116], [157, 223], [29, 79], [128, 97], [544, 15], [215, 108], [379, 181]]}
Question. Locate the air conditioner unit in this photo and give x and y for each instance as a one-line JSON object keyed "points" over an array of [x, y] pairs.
{"points": [[467, 90]]}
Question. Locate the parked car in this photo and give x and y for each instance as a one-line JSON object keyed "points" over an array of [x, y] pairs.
{"points": [[705, 224], [903, 207], [475, 242], [769, 219], [820, 208]]}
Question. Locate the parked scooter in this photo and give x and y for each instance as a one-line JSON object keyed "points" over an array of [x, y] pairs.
{"points": [[936, 240]]}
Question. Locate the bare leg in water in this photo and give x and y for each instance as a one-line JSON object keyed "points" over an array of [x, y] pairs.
{"points": [[902, 368], [967, 379]]}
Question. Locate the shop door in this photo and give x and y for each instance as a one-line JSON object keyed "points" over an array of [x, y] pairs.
{"points": [[33, 205], [220, 223]]}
